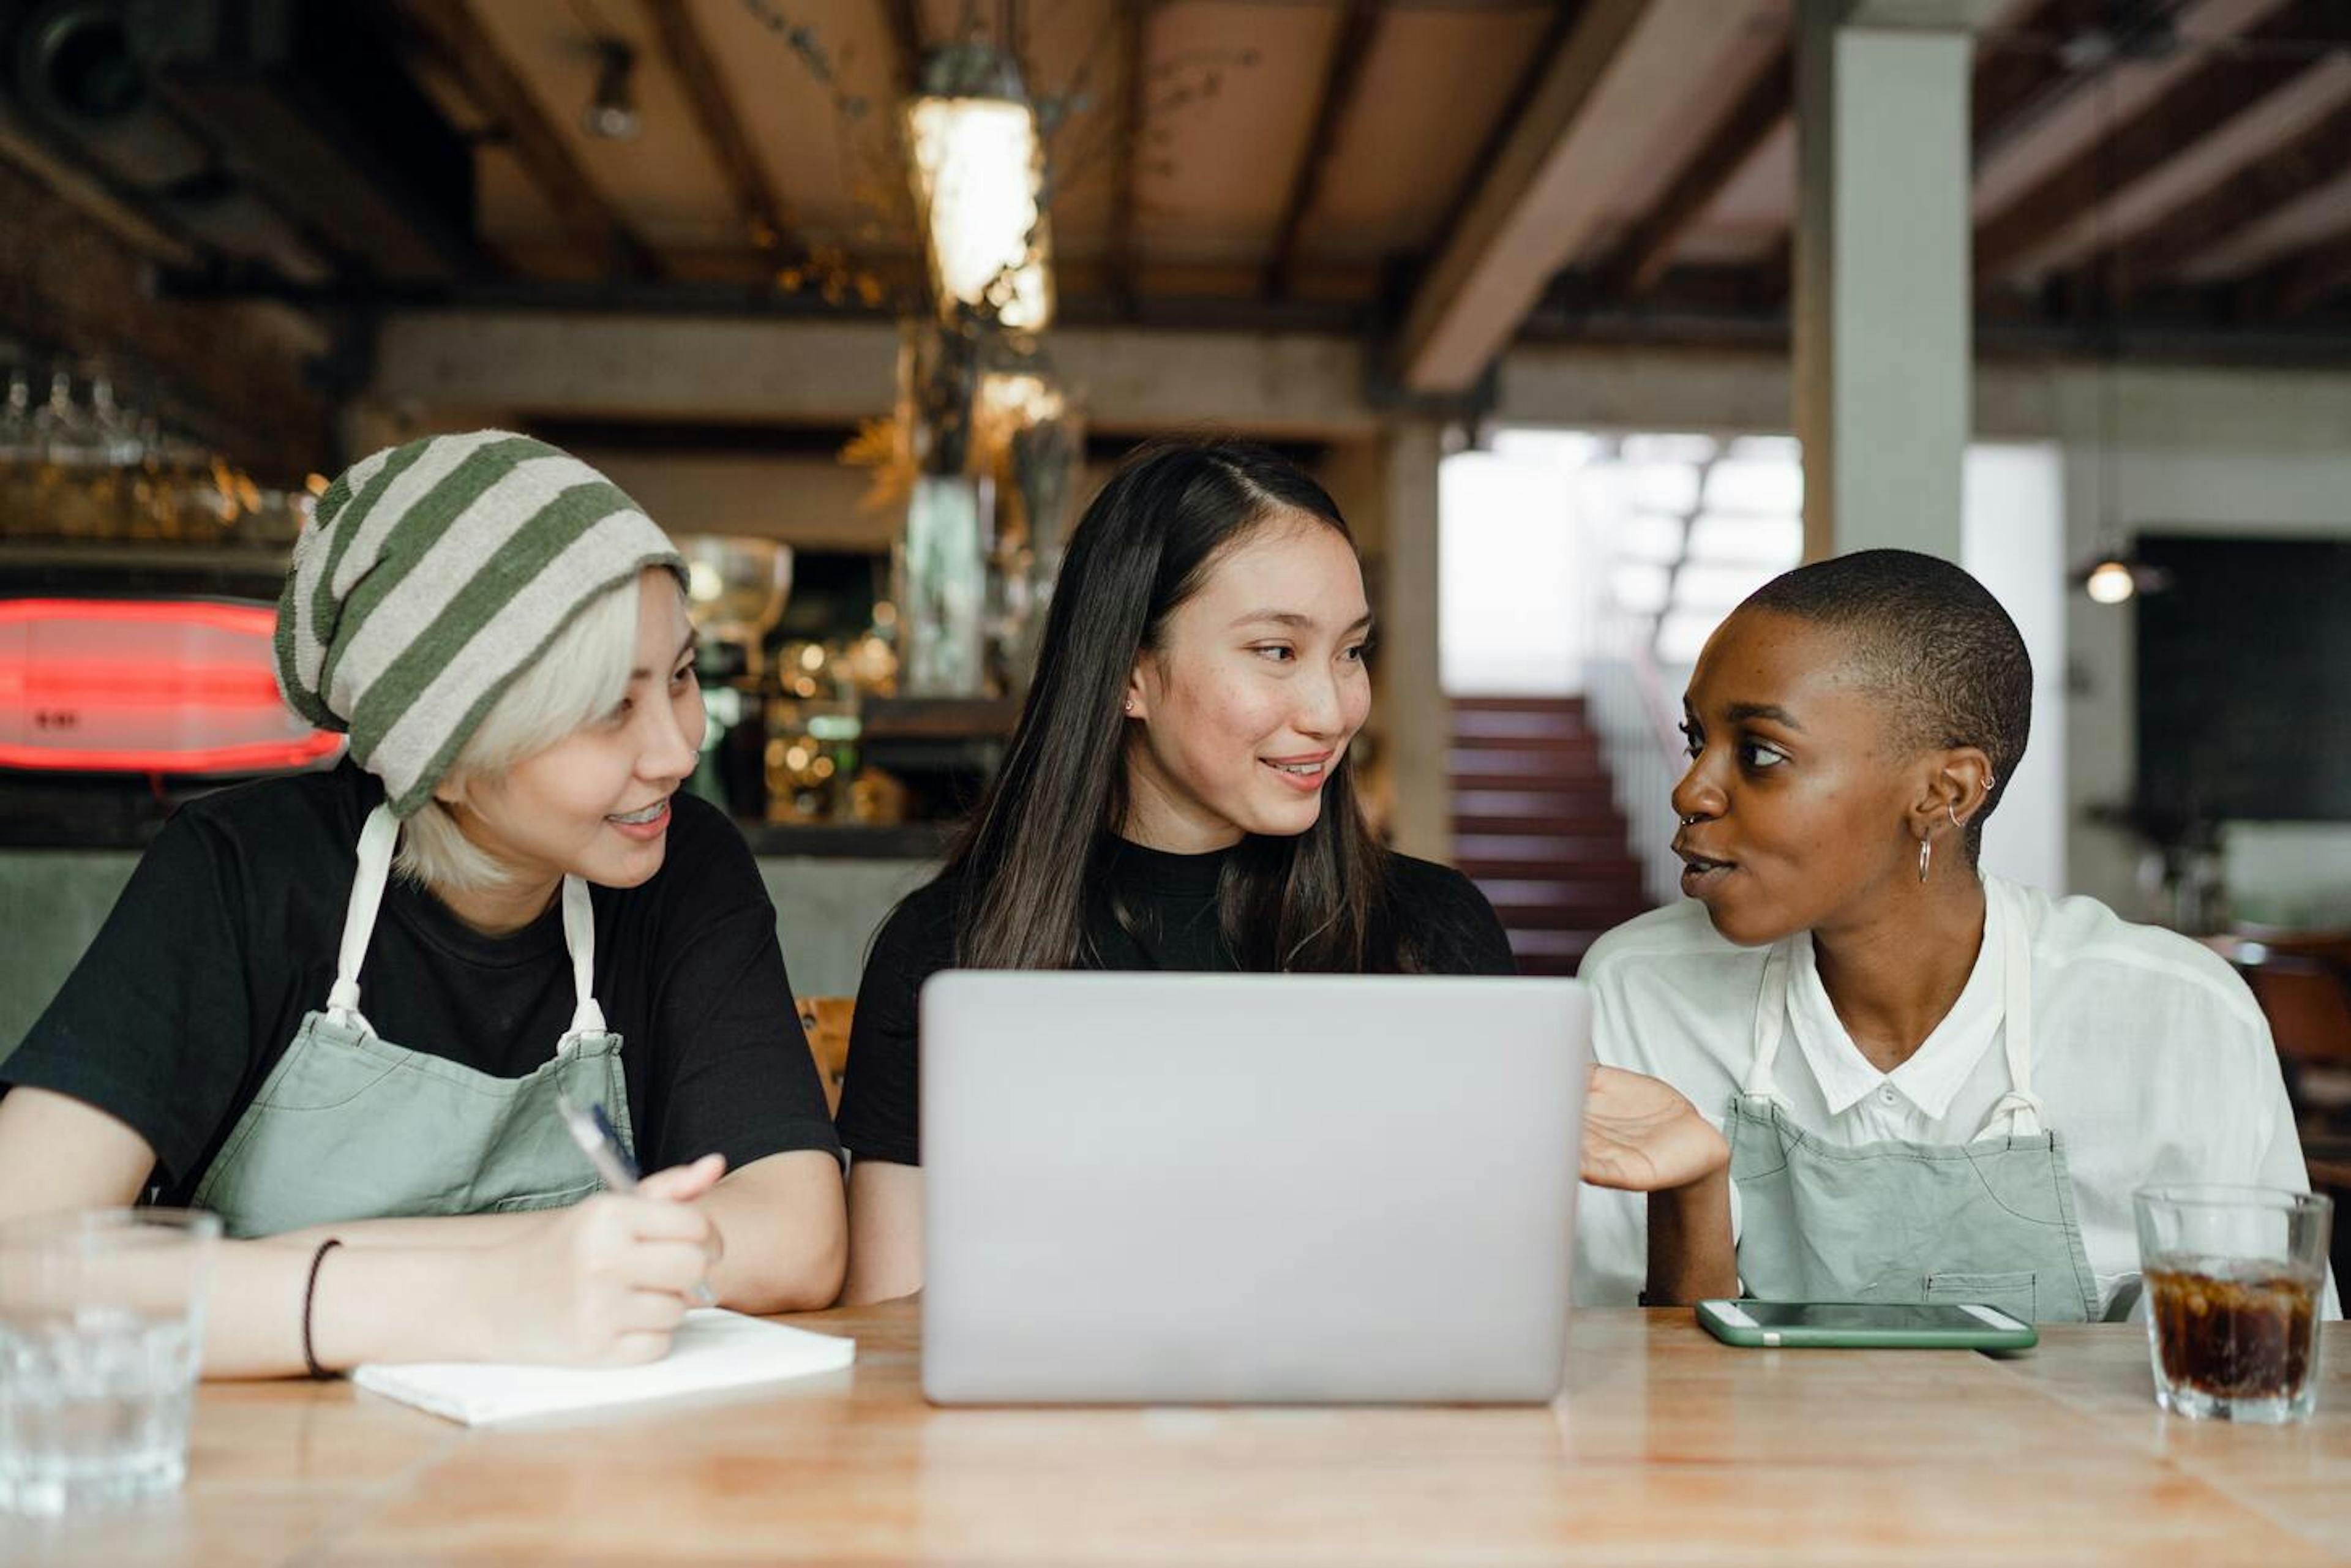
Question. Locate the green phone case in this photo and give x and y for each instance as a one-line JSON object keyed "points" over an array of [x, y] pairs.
{"points": [[1958, 1336]]}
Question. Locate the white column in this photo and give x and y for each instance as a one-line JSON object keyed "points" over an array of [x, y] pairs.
{"points": [[1419, 724], [1882, 278], [2016, 548]]}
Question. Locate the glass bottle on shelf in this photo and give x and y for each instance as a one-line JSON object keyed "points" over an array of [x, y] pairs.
{"points": [[152, 514], [114, 449], [20, 453], [68, 455], [186, 501]]}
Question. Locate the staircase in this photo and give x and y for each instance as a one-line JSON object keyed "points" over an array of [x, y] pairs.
{"points": [[1535, 827]]}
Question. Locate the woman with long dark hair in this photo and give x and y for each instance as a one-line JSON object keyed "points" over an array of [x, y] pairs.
{"points": [[1178, 795]]}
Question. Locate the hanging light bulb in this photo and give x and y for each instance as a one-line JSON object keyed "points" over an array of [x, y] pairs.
{"points": [[2117, 577], [2110, 582], [979, 174], [612, 111]]}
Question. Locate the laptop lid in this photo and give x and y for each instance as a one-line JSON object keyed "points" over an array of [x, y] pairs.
{"points": [[1225, 1189]]}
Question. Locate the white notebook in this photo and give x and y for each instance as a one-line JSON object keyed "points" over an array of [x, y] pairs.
{"points": [[711, 1349]]}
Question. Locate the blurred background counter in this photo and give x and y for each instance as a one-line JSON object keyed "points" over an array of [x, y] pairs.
{"points": [[831, 887], [134, 650]]}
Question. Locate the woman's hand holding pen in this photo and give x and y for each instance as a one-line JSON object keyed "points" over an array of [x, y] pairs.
{"points": [[605, 1281]]}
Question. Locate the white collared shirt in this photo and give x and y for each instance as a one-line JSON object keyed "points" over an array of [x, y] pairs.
{"points": [[2151, 1061]]}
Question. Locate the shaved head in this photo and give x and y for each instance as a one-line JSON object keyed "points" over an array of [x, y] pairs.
{"points": [[1932, 644]]}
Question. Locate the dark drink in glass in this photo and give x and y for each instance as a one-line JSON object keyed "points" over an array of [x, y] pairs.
{"points": [[2234, 1276]]}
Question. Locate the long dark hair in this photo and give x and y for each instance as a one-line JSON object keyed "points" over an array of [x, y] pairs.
{"points": [[1035, 848]]}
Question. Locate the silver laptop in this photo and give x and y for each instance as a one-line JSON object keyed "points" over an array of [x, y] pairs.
{"points": [[1228, 1188]]}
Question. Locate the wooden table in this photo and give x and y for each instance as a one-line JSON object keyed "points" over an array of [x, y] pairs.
{"points": [[1667, 1449]]}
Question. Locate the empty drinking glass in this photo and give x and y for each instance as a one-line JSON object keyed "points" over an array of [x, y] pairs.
{"points": [[101, 1329], [2235, 1282]]}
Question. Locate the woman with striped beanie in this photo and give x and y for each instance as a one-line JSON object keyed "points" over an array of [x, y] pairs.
{"points": [[365, 1008]]}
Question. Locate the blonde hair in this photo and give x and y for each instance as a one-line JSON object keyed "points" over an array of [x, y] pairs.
{"points": [[580, 675]]}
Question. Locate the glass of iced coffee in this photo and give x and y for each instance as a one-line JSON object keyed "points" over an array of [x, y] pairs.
{"points": [[2235, 1279]]}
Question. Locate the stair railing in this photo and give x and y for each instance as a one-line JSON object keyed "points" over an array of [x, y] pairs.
{"points": [[1640, 736]]}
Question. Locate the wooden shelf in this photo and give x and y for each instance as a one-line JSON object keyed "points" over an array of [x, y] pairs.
{"points": [[940, 718], [142, 566]]}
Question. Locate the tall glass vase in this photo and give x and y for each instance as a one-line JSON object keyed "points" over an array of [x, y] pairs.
{"points": [[942, 571], [1042, 463], [942, 552]]}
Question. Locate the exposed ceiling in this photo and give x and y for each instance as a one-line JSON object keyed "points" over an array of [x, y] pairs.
{"points": [[1608, 168]]}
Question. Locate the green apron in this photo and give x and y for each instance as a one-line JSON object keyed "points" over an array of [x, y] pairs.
{"points": [[350, 1126], [1990, 1222]]}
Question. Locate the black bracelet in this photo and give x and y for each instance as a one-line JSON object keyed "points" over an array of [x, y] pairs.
{"points": [[309, 1291]]}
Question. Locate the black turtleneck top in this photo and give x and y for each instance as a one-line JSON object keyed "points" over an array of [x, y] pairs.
{"points": [[1170, 903]]}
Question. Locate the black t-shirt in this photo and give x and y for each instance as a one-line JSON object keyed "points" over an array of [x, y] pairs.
{"points": [[227, 934], [1172, 901]]}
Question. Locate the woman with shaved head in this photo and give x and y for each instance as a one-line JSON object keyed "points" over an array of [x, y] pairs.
{"points": [[1938, 1085]]}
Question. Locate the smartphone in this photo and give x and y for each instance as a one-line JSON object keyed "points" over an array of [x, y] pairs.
{"points": [[1939, 1325]]}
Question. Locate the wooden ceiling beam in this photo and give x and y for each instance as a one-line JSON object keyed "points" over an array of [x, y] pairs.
{"points": [[1776, 273], [2304, 280], [2022, 77], [2015, 86], [689, 58], [1560, 22], [1647, 251], [1351, 44], [463, 49], [2270, 182], [729, 368], [904, 21], [1934, 16], [2270, 55], [1593, 113]]}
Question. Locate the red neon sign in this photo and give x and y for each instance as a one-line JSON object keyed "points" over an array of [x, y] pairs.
{"points": [[145, 687], [242, 620]]}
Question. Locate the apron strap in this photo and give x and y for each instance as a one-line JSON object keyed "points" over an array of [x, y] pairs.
{"points": [[2019, 1105], [1771, 1026], [579, 938], [378, 838]]}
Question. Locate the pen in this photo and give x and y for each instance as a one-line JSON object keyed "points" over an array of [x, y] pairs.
{"points": [[593, 1132]]}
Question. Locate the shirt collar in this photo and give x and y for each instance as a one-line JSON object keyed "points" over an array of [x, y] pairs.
{"points": [[1931, 1078], [1157, 874]]}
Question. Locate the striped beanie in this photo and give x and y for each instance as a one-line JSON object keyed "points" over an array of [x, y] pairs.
{"points": [[430, 578]]}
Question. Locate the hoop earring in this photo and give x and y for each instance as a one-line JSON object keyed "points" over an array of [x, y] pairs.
{"points": [[1951, 808], [1926, 854]]}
